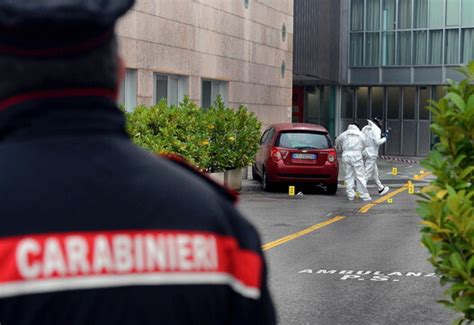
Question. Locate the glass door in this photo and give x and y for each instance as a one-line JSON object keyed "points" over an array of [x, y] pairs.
{"points": [[393, 121]]}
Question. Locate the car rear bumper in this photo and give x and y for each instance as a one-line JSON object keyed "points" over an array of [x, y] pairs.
{"points": [[281, 173]]}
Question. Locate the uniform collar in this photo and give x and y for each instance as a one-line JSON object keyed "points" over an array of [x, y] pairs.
{"points": [[59, 112]]}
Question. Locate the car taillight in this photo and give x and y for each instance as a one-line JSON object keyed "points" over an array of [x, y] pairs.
{"points": [[332, 156], [278, 154], [275, 154]]}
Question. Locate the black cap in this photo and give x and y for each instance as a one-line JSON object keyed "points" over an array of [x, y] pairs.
{"points": [[51, 27], [18, 13]]}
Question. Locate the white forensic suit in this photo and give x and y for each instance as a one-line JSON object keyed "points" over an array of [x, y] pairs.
{"points": [[352, 142], [371, 153]]}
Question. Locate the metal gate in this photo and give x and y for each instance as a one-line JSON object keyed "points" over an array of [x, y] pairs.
{"points": [[402, 108]]}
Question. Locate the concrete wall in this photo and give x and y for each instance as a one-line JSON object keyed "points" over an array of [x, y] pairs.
{"points": [[214, 39]]}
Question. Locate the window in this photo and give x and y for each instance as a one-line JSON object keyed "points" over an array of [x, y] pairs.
{"points": [[393, 103], [327, 107], [267, 136], [377, 102], [467, 45], [420, 40], [313, 104], [303, 140], [409, 101], [388, 15], [452, 13], [423, 103], [404, 48], [264, 136], [169, 87], [436, 13], [421, 13], [436, 46], [211, 89], [347, 103], [404, 14], [173, 96], [451, 47], [373, 14], [161, 88], [357, 15], [440, 92], [388, 48], [362, 102], [357, 49], [468, 12], [128, 90], [372, 49]]}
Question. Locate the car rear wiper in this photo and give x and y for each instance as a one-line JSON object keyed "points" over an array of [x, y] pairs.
{"points": [[306, 147]]}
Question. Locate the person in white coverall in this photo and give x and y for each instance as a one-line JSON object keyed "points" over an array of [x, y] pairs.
{"points": [[371, 153], [353, 142]]}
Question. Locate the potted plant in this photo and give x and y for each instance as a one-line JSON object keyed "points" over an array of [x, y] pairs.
{"points": [[234, 141], [219, 140]]}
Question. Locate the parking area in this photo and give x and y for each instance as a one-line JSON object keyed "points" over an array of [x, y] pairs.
{"points": [[332, 261]]}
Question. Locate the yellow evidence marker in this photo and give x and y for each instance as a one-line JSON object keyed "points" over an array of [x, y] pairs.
{"points": [[390, 201], [394, 171], [291, 191], [411, 188]]}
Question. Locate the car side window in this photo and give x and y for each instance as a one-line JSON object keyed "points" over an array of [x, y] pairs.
{"points": [[330, 142], [267, 135], [264, 136]]}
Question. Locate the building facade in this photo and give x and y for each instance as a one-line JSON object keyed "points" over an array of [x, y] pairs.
{"points": [[393, 55], [239, 49]]}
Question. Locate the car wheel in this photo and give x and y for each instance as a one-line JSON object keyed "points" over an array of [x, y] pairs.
{"points": [[331, 188], [266, 184], [255, 175]]}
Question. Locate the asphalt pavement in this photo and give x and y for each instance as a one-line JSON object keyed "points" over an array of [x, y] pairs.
{"points": [[332, 261]]}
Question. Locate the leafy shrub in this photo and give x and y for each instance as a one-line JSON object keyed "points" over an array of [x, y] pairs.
{"points": [[215, 139], [164, 129], [447, 206], [234, 137]]}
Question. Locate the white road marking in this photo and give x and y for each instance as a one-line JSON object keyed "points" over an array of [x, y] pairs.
{"points": [[376, 276]]}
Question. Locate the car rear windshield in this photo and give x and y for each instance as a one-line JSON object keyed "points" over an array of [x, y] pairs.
{"points": [[303, 140]]}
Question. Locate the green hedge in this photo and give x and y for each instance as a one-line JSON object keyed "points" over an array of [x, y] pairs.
{"points": [[447, 205], [213, 139]]}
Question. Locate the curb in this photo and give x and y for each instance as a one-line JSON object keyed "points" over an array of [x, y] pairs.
{"points": [[408, 161]]}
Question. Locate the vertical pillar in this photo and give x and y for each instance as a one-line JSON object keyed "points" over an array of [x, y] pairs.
{"points": [[194, 89], [144, 87], [338, 110], [332, 111]]}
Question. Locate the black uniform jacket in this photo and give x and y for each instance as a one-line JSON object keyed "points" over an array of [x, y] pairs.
{"points": [[93, 230]]}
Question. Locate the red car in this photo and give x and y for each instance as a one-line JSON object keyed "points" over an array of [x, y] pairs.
{"points": [[296, 153]]}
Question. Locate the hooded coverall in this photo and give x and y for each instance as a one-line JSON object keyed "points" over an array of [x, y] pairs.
{"points": [[353, 143], [374, 141]]}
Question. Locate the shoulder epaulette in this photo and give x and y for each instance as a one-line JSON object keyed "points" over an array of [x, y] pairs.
{"points": [[180, 161]]}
